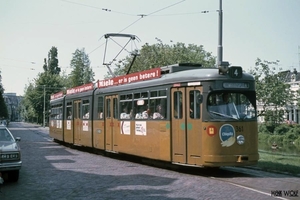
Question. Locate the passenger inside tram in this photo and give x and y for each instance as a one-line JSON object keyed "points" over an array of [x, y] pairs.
{"points": [[101, 114], [159, 112], [142, 114], [125, 114]]}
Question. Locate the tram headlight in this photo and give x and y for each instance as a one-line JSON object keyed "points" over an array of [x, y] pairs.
{"points": [[240, 139]]}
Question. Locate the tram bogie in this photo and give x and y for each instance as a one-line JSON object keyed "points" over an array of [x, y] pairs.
{"points": [[185, 115]]}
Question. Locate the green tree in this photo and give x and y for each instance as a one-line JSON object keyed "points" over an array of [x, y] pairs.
{"points": [[81, 72], [3, 107], [38, 92], [157, 55], [272, 92], [52, 65], [297, 97], [28, 112]]}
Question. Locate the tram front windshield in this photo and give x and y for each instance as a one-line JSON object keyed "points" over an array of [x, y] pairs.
{"points": [[231, 105]]}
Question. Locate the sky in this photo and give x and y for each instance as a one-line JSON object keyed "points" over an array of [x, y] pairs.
{"points": [[268, 29]]}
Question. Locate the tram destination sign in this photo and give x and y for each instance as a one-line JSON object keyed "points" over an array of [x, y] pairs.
{"points": [[130, 78], [236, 85]]}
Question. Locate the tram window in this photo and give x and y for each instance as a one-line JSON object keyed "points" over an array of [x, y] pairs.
{"points": [[52, 116], [85, 109], [141, 107], [137, 95], [144, 95], [195, 100], [162, 93], [107, 108], [60, 112], [69, 110], [154, 94], [77, 108], [158, 104], [122, 97], [115, 104], [100, 108], [177, 98], [158, 93], [159, 107], [126, 110], [125, 97], [232, 105], [56, 112], [52, 112]]}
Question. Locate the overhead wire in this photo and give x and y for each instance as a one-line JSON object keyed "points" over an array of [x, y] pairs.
{"points": [[104, 9], [141, 16], [166, 7]]}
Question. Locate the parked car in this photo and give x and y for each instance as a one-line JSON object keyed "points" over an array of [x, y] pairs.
{"points": [[10, 154], [3, 122]]}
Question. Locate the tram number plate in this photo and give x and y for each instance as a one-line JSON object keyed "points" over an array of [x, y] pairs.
{"points": [[239, 128]]}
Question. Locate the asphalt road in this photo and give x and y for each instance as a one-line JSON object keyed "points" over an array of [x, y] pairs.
{"points": [[53, 171]]}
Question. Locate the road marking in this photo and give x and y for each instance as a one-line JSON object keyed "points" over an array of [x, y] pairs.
{"points": [[256, 191]]}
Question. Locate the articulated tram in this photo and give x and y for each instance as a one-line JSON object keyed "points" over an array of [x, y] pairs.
{"points": [[182, 114]]}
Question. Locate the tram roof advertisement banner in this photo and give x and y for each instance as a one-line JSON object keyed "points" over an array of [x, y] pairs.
{"points": [[56, 95], [130, 78], [81, 88]]}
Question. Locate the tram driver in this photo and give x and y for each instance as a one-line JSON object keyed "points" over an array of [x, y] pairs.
{"points": [[222, 104], [226, 105]]}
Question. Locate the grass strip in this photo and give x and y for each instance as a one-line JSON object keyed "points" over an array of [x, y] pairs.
{"points": [[283, 163]]}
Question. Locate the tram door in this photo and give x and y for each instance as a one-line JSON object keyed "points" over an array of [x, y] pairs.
{"points": [[112, 128], [186, 125], [77, 122]]}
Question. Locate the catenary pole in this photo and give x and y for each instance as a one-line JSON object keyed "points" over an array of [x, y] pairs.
{"points": [[220, 47]]}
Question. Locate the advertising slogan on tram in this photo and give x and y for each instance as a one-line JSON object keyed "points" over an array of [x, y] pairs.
{"points": [[57, 95], [82, 88], [130, 78]]}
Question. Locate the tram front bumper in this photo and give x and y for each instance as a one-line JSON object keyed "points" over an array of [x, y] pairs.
{"points": [[230, 160]]}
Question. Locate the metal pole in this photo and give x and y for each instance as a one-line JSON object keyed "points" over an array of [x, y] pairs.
{"points": [[220, 47], [44, 106]]}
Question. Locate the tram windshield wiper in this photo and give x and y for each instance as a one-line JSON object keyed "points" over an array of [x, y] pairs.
{"points": [[223, 115]]}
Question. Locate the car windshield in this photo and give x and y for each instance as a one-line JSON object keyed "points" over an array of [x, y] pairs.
{"points": [[231, 105], [5, 136]]}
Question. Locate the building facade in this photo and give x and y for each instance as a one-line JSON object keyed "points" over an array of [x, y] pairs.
{"points": [[13, 104], [293, 111]]}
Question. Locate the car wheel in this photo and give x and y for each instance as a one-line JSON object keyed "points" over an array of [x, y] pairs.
{"points": [[14, 175]]}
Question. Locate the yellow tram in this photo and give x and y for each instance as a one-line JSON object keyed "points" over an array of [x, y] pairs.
{"points": [[183, 114]]}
